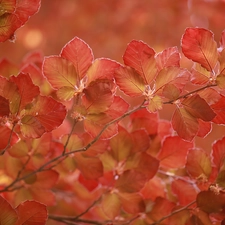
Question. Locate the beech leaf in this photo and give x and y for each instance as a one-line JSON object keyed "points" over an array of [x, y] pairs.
{"points": [[141, 57], [31, 212], [174, 152], [80, 54], [8, 215], [129, 81], [198, 107], [219, 109], [198, 45], [4, 110], [184, 124], [218, 153]]}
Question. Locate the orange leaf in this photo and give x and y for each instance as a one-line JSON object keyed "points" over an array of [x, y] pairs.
{"points": [[155, 103], [102, 69], [80, 54], [210, 202], [220, 81], [141, 57], [218, 153], [7, 6], [168, 57], [198, 164], [198, 45], [8, 215], [204, 128], [184, 124], [198, 107], [132, 202], [179, 187], [31, 212], [111, 205], [129, 81], [174, 152], [219, 109]]}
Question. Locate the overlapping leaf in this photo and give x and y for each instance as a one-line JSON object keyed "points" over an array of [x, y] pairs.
{"points": [[174, 152], [219, 109], [218, 153], [31, 212], [198, 45], [141, 57]]}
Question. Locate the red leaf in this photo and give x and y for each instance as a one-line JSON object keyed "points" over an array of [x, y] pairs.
{"points": [[27, 90], [179, 187], [200, 75], [45, 115], [184, 124], [31, 212], [168, 57], [8, 25], [8, 215], [198, 164], [7, 6], [204, 128], [129, 81], [62, 75], [198, 45], [218, 153], [4, 110], [80, 54], [219, 109], [90, 167], [7, 138], [7, 68], [90, 184], [102, 69], [210, 202], [198, 107], [121, 145], [132, 202], [111, 205], [98, 96], [171, 75], [131, 181], [174, 152], [26, 8], [141, 57]]}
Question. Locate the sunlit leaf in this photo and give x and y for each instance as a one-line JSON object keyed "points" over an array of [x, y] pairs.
{"points": [[8, 215], [174, 152], [168, 57], [198, 164], [74, 142], [102, 69], [98, 96], [184, 124], [111, 205], [155, 103], [27, 90], [218, 153], [179, 187], [7, 6], [20, 149], [80, 54], [198, 45], [210, 202], [200, 75], [31, 212], [220, 81], [45, 115], [198, 107], [121, 144], [129, 81], [141, 57]]}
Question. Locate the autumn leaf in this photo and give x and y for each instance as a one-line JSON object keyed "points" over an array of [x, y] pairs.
{"points": [[184, 124], [198, 107], [218, 153], [174, 152], [141, 57], [219, 109], [8, 215], [168, 57], [198, 164], [31, 212], [4, 110], [80, 54], [129, 81], [198, 45], [155, 103]]}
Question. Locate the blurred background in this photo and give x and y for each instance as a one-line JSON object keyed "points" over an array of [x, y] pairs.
{"points": [[109, 25]]}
